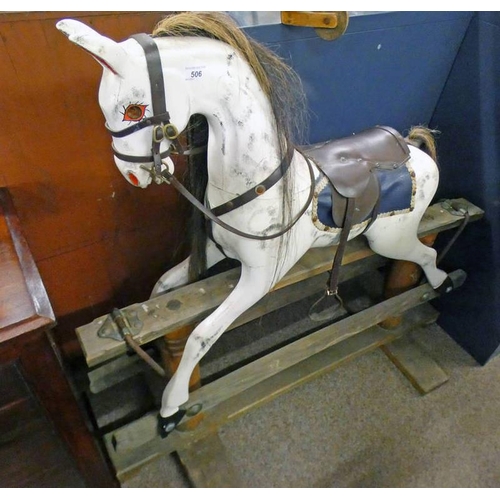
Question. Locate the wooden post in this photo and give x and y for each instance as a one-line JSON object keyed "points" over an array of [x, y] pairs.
{"points": [[402, 276], [171, 348]]}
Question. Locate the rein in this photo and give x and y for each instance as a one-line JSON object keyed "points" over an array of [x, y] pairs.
{"points": [[248, 196], [163, 129]]}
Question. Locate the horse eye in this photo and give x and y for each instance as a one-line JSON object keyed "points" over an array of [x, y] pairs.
{"points": [[134, 112]]}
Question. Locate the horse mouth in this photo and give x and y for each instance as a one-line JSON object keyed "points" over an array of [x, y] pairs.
{"points": [[136, 180], [132, 178]]}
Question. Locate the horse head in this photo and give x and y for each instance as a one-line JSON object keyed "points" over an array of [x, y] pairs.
{"points": [[132, 96]]}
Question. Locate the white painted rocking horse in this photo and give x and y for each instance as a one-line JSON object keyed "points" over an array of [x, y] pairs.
{"points": [[267, 194]]}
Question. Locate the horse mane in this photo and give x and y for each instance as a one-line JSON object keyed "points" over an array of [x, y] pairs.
{"points": [[279, 82]]}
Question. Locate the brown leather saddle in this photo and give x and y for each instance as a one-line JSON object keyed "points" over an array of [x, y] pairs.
{"points": [[350, 164]]}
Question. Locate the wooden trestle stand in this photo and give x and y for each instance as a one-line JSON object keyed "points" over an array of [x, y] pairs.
{"points": [[383, 324]]}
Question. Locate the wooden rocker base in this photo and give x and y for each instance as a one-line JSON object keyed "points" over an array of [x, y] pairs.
{"points": [[256, 383], [228, 397], [206, 463]]}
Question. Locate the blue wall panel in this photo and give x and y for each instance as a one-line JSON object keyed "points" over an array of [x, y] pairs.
{"points": [[407, 68], [387, 69], [468, 114]]}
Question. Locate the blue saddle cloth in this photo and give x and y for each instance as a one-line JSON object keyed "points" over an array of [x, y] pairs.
{"points": [[396, 195]]}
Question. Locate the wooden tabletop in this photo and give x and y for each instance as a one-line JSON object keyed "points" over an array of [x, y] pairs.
{"points": [[24, 304]]}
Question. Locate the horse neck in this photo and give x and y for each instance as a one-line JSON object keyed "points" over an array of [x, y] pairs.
{"points": [[242, 145]]}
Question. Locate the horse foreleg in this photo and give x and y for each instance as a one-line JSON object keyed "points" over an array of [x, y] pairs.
{"points": [[179, 275], [254, 283], [171, 346]]}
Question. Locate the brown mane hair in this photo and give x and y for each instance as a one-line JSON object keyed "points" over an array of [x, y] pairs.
{"points": [[279, 81]]}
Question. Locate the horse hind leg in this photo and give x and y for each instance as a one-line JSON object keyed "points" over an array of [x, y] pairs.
{"points": [[402, 243]]}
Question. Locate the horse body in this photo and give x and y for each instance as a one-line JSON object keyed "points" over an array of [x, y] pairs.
{"points": [[208, 77]]}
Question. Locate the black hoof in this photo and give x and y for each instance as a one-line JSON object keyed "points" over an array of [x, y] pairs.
{"points": [[454, 280], [446, 286], [168, 424]]}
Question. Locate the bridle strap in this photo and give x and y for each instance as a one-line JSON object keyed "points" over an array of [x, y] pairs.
{"points": [[152, 120], [155, 74], [137, 159], [160, 118], [170, 178], [165, 154], [156, 82]]}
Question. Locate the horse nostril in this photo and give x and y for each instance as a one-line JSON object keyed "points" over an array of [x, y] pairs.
{"points": [[133, 179]]}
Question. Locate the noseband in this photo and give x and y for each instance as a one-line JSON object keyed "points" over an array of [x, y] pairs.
{"points": [[164, 129]]}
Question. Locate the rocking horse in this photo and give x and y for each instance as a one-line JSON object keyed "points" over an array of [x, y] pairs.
{"points": [[266, 201]]}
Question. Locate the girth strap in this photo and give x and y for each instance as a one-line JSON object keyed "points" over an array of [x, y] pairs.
{"points": [[332, 286]]}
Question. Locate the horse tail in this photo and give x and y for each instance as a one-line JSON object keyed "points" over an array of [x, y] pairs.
{"points": [[423, 138]]}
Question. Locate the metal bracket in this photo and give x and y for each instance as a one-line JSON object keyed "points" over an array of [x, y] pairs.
{"points": [[121, 327], [455, 207], [118, 324], [328, 25], [458, 209]]}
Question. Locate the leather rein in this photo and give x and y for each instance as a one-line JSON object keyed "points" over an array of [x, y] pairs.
{"points": [[163, 129]]}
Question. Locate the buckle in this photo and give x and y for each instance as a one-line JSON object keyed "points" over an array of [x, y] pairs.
{"points": [[170, 131], [158, 134], [167, 131]]}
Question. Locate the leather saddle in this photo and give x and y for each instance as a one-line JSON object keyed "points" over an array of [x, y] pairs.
{"points": [[350, 163]]}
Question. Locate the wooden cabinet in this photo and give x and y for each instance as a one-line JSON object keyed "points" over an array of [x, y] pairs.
{"points": [[44, 437]]}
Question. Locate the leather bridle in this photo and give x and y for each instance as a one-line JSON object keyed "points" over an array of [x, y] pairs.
{"points": [[163, 129], [162, 126]]}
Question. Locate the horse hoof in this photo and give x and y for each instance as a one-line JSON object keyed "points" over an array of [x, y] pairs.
{"points": [[168, 424], [451, 283]]}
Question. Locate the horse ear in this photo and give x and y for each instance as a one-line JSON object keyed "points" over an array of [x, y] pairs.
{"points": [[108, 53]]}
